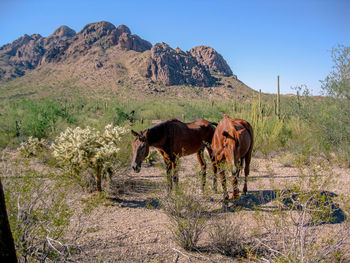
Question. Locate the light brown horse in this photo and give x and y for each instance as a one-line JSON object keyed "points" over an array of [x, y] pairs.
{"points": [[174, 139], [233, 143]]}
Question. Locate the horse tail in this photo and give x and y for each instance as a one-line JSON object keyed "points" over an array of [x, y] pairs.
{"points": [[250, 130]]}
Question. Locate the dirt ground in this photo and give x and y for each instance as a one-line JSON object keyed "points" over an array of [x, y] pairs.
{"points": [[132, 227]]}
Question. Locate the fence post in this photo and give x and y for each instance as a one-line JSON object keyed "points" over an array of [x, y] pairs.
{"points": [[278, 109]]}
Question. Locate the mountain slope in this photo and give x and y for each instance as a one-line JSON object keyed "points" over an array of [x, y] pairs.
{"points": [[104, 58]]}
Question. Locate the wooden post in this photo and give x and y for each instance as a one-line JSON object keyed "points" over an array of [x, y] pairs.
{"points": [[299, 106], [278, 109], [7, 246]]}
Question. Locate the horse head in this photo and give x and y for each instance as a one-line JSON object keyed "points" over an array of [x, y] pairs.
{"points": [[140, 149], [231, 142]]}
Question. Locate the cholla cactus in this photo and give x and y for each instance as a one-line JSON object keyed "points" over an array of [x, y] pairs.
{"points": [[88, 148], [32, 146]]}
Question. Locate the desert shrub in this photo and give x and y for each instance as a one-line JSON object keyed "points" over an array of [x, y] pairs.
{"points": [[187, 214], [39, 216], [81, 149], [296, 230], [226, 237], [33, 146]]}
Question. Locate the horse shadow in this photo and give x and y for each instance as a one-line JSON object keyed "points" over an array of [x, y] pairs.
{"points": [[124, 194], [259, 201], [150, 203]]}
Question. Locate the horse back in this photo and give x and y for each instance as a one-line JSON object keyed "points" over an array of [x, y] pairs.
{"points": [[241, 131], [189, 138]]}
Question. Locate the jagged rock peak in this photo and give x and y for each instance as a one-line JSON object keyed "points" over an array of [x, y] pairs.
{"points": [[174, 67], [64, 31], [101, 28], [207, 56], [161, 46], [123, 29], [178, 50]]}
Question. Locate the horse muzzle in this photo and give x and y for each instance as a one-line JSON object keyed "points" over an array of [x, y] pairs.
{"points": [[136, 168]]}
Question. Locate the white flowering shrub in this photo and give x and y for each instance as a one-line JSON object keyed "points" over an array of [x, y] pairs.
{"points": [[32, 147], [89, 148]]}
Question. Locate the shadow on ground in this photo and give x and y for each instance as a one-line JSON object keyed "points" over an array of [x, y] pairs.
{"points": [[131, 193], [259, 201], [150, 203]]}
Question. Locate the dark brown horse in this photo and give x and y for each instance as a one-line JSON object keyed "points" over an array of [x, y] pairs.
{"points": [[174, 139], [233, 143]]}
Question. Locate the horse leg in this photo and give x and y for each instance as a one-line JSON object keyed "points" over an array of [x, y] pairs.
{"points": [[175, 177], [203, 167], [234, 180], [247, 159], [168, 172], [214, 168], [169, 176], [223, 183]]}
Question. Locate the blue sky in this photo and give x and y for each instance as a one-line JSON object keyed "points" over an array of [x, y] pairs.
{"points": [[258, 39]]}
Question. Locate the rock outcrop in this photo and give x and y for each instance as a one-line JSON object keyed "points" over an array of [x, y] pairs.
{"points": [[27, 52], [207, 56], [103, 34], [23, 54], [133, 42], [162, 64], [176, 67]]}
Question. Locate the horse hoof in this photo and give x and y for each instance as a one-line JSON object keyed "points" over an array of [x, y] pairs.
{"points": [[235, 197]]}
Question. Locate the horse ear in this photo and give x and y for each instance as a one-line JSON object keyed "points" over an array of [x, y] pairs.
{"points": [[229, 136], [135, 133], [226, 134], [143, 135]]}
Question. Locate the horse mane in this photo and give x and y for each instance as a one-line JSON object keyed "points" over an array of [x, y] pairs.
{"points": [[172, 120], [230, 125], [156, 133]]}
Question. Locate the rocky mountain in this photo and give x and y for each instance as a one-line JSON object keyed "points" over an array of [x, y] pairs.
{"points": [[176, 67], [207, 56], [100, 42]]}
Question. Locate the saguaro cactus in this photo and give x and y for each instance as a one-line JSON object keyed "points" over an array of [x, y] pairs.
{"points": [[278, 109]]}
